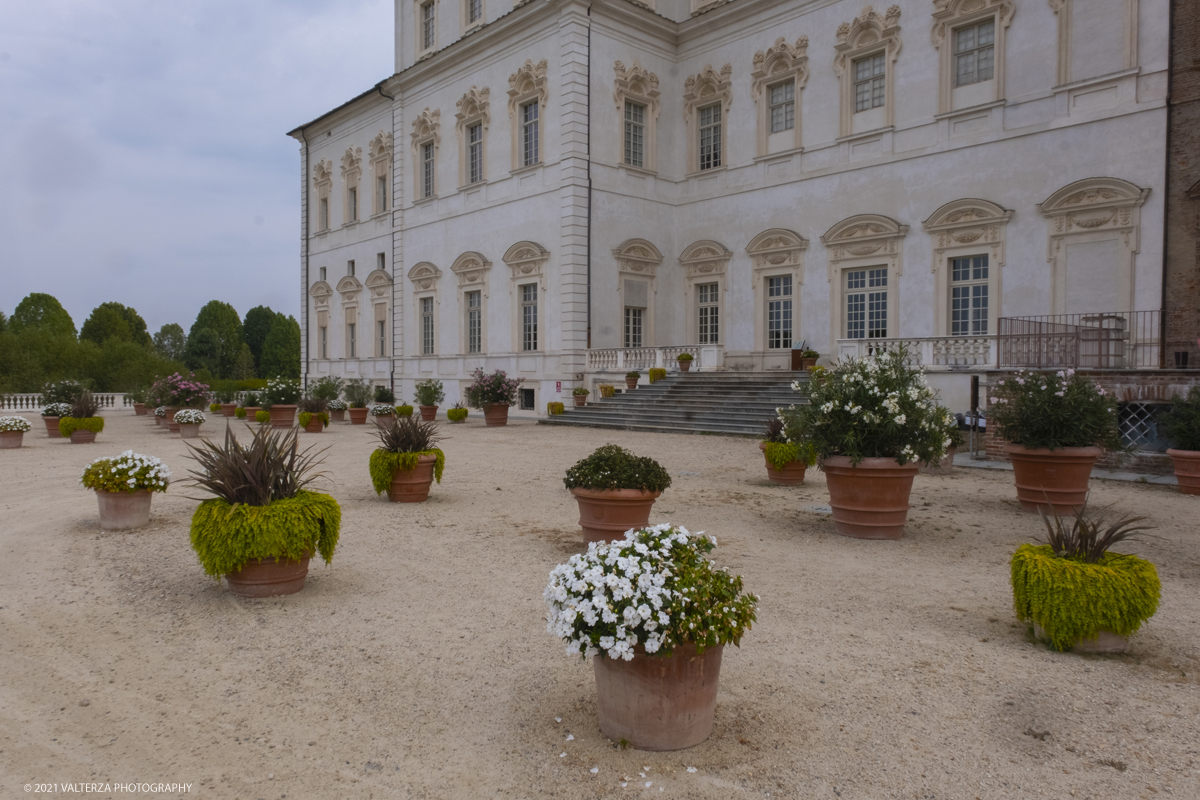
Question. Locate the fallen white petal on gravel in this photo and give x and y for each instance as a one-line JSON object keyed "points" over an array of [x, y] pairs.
{"points": [[570, 737], [595, 770], [691, 769], [562, 754]]}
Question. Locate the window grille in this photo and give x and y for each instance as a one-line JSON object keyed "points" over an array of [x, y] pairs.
{"points": [[527, 400], [969, 296], [783, 107], [529, 320], [710, 137], [866, 303], [427, 169], [868, 83], [708, 323], [974, 53], [474, 10], [427, 326], [1138, 425], [475, 153], [350, 340], [779, 312], [474, 322], [381, 348], [427, 26], [633, 326], [635, 134], [529, 134]]}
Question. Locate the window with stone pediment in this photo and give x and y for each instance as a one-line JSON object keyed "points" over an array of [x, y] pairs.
{"points": [[970, 38], [320, 293], [351, 172], [968, 259], [864, 258], [322, 186], [707, 99], [777, 83], [425, 278], [777, 270], [637, 264], [426, 138], [865, 60], [350, 289], [635, 91], [705, 265], [527, 93], [381, 172], [472, 270], [526, 262], [471, 123], [379, 294]]}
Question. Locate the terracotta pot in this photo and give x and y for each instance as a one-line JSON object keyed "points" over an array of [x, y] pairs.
{"points": [[1052, 479], [169, 419], [358, 416], [657, 703], [631, 383], [495, 414], [315, 425], [1187, 470], [120, 511], [413, 486], [83, 437], [429, 413], [382, 420], [11, 440], [684, 366], [283, 416], [869, 501], [266, 577], [943, 466], [1105, 642], [139, 409], [159, 421], [790, 475], [52, 427], [229, 409], [189, 431], [580, 400], [606, 514], [250, 412], [808, 363], [337, 416]]}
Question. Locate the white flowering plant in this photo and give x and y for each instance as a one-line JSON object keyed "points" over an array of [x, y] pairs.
{"points": [[338, 405], [383, 410], [878, 407], [14, 425], [57, 410], [189, 416], [1053, 410], [650, 592], [127, 472], [161, 411]]}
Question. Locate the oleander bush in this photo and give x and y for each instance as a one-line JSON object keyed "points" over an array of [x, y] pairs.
{"points": [[1181, 425], [62, 392], [494, 389], [251, 400], [402, 441], [613, 467], [127, 472], [385, 395], [1053, 410], [281, 392], [327, 388], [357, 393], [430, 393]]}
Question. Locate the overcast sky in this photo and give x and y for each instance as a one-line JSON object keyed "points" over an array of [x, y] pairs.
{"points": [[143, 146]]}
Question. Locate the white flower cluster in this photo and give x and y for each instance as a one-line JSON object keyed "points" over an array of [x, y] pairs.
{"points": [[625, 574], [14, 425], [189, 416], [161, 411], [133, 469], [338, 405], [383, 410], [57, 410]]}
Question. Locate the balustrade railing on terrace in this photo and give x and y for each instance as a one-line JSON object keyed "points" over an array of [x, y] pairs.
{"points": [[1100, 340], [930, 352], [623, 359]]}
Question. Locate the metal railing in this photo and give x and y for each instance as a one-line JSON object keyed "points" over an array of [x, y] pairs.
{"points": [[1099, 340]]}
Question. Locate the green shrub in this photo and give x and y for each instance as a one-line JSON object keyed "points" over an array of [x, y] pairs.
{"points": [[68, 425], [385, 465], [1053, 410], [613, 467], [214, 407], [456, 414], [684, 357], [1181, 424], [553, 408], [305, 417], [430, 392], [226, 536], [384, 395], [281, 392], [780, 454], [62, 392], [657, 374], [327, 387], [357, 393], [404, 411], [262, 415], [402, 441], [580, 391], [240, 412], [494, 389], [607, 390]]}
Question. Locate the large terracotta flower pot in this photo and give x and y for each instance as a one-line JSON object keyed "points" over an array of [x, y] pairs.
{"points": [[1052, 480], [790, 475], [808, 363], [83, 437], [337, 416], [657, 703], [429, 413], [315, 425], [120, 511], [684, 366], [169, 419], [580, 400], [869, 501], [943, 466], [631, 383], [229, 409], [11, 440], [358, 416], [1187, 469], [189, 431], [139, 409], [267, 577], [605, 514], [52, 427], [495, 414], [283, 416], [412, 486], [383, 420], [251, 411]]}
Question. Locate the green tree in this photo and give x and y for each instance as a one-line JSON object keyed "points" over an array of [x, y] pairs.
{"points": [[281, 351], [3, 322], [255, 328], [171, 341], [223, 321], [105, 323], [137, 325], [203, 350], [243, 367], [43, 313]]}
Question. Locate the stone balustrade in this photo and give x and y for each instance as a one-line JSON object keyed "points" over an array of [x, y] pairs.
{"points": [[932, 353], [623, 359]]}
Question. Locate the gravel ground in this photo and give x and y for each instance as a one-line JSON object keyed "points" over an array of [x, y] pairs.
{"points": [[417, 665]]}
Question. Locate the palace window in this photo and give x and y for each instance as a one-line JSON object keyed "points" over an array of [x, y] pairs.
{"points": [[475, 153], [529, 316], [427, 326], [708, 324], [474, 322], [351, 344], [529, 133], [633, 326], [974, 53], [352, 204], [783, 107], [969, 296], [710, 136], [381, 198], [322, 272], [323, 341], [866, 303], [869, 83], [323, 219], [779, 312], [635, 134], [427, 169], [474, 11], [428, 25]]}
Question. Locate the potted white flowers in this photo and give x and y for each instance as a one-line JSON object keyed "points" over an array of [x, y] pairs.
{"points": [[189, 421], [655, 614], [12, 431], [51, 414], [337, 410], [124, 485]]}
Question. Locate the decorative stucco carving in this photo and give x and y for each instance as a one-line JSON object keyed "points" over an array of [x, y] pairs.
{"points": [[702, 90], [777, 64], [424, 276], [380, 151], [526, 259], [705, 258], [427, 125], [472, 105], [640, 86], [527, 82], [381, 146], [349, 287], [323, 171], [637, 256], [351, 162], [968, 221], [471, 268], [379, 285], [868, 33], [320, 292], [777, 248], [865, 235]]}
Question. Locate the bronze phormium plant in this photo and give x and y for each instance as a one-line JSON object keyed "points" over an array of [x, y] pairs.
{"points": [[271, 467], [400, 434], [1088, 537], [86, 405]]}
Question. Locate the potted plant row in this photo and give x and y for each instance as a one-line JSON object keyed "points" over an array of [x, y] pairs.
{"points": [[124, 486], [615, 490], [786, 460], [654, 615], [84, 422], [494, 394], [406, 462], [189, 421], [314, 416], [263, 523], [12, 431], [430, 394], [1181, 426], [872, 422]]}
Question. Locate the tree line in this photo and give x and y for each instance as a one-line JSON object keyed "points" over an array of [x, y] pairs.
{"points": [[113, 351]]}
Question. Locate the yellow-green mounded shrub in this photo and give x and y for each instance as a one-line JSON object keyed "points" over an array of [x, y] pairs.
{"points": [[780, 454], [657, 374], [305, 417], [214, 407], [226, 536], [68, 425], [240, 412], [455, 414], [1071, 600], [607, 390], [404, 411], [553, 408], [385, 465], [262, 415]]}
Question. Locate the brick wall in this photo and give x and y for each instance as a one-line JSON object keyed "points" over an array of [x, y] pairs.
{"points": [[1182, 278]]}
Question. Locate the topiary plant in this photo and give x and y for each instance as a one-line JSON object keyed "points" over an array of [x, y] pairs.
{"points": [[404, 410], [262, 415], [240, 412], [613, 467], [402, 442], [553, 408], [656, 374], [68, 425], [456, 414], [214, 407], [684, 357]]}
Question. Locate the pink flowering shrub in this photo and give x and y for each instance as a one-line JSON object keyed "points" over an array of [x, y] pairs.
{"points": [[1053, 410], [490, 389], [177, 391]]}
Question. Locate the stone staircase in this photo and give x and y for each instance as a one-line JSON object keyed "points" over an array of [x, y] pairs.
{"points": [[736, 403]]}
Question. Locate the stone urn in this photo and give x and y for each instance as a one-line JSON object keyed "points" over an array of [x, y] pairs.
{"points": [[1187, 469], [429, 413], [495, 414], [605, 514], [869, 501], [268, 577], [1052, 480], [790, 475], [412, 486], [120, 511]]}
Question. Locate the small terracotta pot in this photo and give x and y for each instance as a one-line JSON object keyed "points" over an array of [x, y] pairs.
{"points": [[11, 440], [282, 416], [189, 431], [358, 416], [1052, 480], [337, 416], [808, 363], [120, 511], [790, 475], [580, 400], [83, 437], [251, 411], [412, 486], [631, 383], [684, 366], [52, 427], [429, 413], [1187, 470], [315, 425], [1105, 642], [266, 577], [139, 409], [606, 514], [869, 501], [943, 466], [229, 409], [382, 420], [169, 419], [495, 414], [658, 703]]}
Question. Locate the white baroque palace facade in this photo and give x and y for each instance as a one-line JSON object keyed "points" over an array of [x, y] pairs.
{"points": [[565, 189]]}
